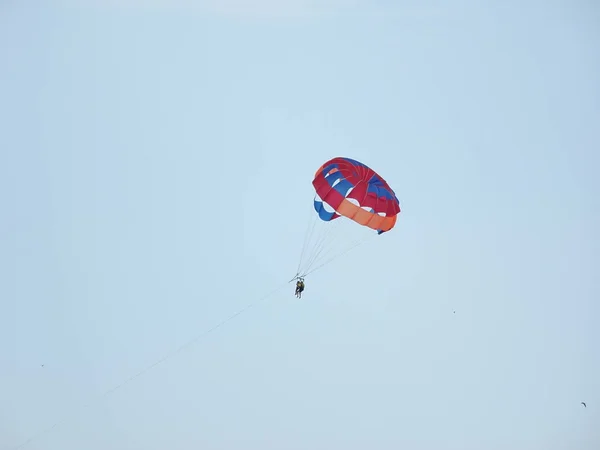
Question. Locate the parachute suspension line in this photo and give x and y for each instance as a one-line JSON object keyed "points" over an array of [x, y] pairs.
{"points": [[160, 361], [312, 224], [329, 243], [361, 241], [331, 255], [325, 245], [321, 242], [321, 232], [320, 239], [311, 231]]}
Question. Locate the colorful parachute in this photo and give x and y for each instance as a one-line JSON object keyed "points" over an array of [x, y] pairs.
{"points": [[357, 192], [345, 189]]}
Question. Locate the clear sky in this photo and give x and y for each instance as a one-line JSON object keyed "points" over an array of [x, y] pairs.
{"points": [[155, 177]]}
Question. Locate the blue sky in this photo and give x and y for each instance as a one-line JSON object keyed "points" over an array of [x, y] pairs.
{"points": [[155, 169]]}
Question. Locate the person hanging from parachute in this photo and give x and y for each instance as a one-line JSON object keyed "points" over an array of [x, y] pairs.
{"points": [[299, 287]]}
